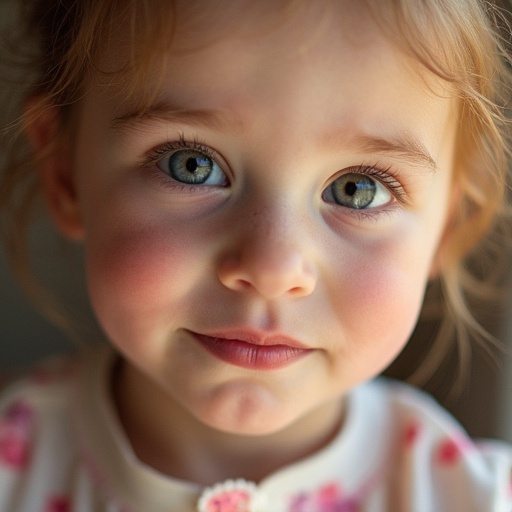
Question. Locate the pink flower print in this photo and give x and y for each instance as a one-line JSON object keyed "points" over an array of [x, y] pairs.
{"points": [[58, 504], [299, 503], [15, 429], [234, 501], [328, 494], [411, 434], [328, 498], [450, 450], [230, 496]]}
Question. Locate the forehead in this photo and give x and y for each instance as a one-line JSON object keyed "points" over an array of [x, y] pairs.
{"points": [[202, 22], [322, 68], [248, 34]]}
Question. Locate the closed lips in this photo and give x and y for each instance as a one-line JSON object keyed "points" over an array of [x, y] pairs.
{"points": [[250, 351]]}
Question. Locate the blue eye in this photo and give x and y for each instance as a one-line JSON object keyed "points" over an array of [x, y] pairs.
{"points": [[357, 191], [192, 167]]}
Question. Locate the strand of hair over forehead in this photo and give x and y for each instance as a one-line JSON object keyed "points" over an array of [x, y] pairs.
{"points": [[75, 33]]}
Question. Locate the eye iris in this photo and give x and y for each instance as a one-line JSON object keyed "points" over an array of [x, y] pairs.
{"points": [[354, 190], [190, 167]]}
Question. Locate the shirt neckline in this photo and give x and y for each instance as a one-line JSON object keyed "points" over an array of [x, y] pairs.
{"points": [[352, 460]]}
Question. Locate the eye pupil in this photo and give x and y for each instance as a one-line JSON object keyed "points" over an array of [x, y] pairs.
{"points": [[191, 165], [350, 188]]}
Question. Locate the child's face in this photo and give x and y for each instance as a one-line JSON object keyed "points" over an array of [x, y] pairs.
{"points": [[287, 126]]}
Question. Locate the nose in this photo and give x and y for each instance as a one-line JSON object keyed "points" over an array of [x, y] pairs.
{"points": [[269, 257]]}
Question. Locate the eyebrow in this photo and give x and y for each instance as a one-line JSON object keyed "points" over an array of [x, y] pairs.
{"points": [[165, 113], [404, 147]]}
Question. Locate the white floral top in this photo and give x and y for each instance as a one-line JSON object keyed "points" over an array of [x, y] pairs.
{"points": [[62, 449]]}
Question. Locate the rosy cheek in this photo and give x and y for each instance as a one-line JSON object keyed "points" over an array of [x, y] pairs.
{"points": [[380, 298], [134, 275], [389, 302]]}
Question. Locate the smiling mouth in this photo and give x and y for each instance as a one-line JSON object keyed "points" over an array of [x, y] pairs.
{"points": [[253, 352]]}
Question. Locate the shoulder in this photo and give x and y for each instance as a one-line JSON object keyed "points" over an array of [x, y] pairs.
{"points": [[40, 394], [35, 430], [45, 386], [434, 459]]}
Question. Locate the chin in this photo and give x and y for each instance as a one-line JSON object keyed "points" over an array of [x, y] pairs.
{"points": [[245, 414], [249, 428]]}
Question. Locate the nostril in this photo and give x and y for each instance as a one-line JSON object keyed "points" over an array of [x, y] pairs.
{"points": [[243, 284]]}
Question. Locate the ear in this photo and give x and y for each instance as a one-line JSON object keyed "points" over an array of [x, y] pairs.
{"points": [[53, 156]]}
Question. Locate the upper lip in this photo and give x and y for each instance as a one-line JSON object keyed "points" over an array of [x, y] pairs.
{"points": [[255, 337]]}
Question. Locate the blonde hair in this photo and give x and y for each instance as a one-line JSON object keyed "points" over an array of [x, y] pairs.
{"points": [[466, 45], [462, 42]]}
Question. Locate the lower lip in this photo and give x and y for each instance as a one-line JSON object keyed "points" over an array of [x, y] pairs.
{"points": [[248, 355]]}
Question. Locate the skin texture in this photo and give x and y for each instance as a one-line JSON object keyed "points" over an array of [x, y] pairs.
{"points": [[282, 105]]}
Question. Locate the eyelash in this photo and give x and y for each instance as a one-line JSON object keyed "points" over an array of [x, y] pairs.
{"points": [[181, 143], [388, 176], [168, 148]]}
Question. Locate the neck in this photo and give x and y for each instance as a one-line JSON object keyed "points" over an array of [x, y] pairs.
{"points": [[177, 444]]}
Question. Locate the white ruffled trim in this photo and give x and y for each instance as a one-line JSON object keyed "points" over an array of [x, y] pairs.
{"points": [[256, 499]]}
